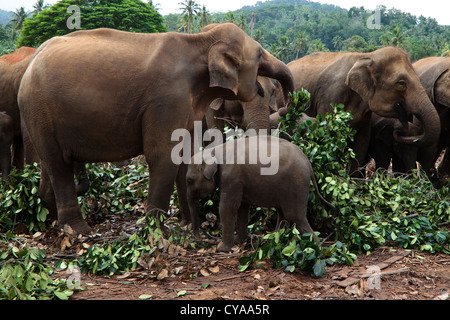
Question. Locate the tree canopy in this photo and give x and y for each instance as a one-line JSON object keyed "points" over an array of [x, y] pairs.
{"points": [[290, 29], [127, 15]]}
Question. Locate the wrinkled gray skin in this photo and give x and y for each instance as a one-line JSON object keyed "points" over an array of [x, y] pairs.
{"points": [[242, 185], [6, 139], [382, 81], [107, 95]]}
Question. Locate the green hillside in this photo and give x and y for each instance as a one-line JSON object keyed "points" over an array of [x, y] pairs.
{"points": [[293, 28]]}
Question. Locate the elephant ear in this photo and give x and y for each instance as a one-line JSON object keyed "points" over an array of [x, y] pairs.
{"points": [[360, 79], [223, 67], [430, 76], [216, 104], [209, 170]]}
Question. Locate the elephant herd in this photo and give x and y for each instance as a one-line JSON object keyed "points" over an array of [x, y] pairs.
{"points": [[108, 95]]}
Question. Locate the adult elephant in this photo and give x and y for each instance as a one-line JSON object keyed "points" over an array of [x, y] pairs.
{"points": [[12, 68], [108, 95], [434, 74], [382, 81]]}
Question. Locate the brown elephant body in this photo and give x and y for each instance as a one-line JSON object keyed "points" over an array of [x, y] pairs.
{"points": [[382, 81], [242, 184], [12, 68], [434, 74], [108, 95]]}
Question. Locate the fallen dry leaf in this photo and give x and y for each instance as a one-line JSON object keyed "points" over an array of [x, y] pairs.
{"points": [[214, 269], [163, 274], [204, 272]]}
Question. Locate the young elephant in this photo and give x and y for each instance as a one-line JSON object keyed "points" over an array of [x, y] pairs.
{"points": [[237, 167]]}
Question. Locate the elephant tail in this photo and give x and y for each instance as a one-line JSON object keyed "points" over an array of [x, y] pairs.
{"points": [[316, 188]]}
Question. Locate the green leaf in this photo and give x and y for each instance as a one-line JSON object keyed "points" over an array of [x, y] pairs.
{"points": [[61, 295], [289, 250], [318, 269], [145, 296]]}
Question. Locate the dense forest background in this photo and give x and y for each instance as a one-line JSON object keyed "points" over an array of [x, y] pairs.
{"points": [[288, 29], [293, 28]]}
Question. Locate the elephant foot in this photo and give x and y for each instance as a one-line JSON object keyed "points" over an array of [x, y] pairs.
{"points": [[74, 221], [223, 247], [240, 237]]}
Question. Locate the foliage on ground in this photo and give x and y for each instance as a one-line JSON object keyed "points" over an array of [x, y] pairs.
{"points": [[24, 275], [385, 209]]}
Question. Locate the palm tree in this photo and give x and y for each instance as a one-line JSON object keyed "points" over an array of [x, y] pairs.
{"points": [[337, 42], [394, 36], [38, 7], [282, 49], [18, 17], [446, 50], [204, 17], [229, 17], [301, 41], [190, 10]]}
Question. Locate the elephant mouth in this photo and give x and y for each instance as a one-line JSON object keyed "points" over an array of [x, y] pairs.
{"points": [[402, 115], [409, 134]]}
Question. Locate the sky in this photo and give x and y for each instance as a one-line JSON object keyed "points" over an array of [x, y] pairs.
{"points": [[438, 9]]}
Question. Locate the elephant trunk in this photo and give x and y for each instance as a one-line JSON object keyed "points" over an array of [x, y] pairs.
{"points": [[273, 68], [425, 111], [256, 116]]}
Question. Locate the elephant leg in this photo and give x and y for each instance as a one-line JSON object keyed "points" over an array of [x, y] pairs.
{"points": [[295, 212], [162, 175], [47, 195], [5, 161], [280, 219], [242, 223], [228, 207], [18, 157], [194, 209], [182, 195], [63, 185]]}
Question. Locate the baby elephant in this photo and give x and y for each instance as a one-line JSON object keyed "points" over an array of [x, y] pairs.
{"points": [[260, 170]]}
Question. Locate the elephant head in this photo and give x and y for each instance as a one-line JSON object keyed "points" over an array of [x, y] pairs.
{"points": [[386, 80], [235, 59], [434, 74]]}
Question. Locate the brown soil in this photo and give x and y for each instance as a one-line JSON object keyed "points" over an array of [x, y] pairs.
{"points": [[404, 276], [388, 273]]}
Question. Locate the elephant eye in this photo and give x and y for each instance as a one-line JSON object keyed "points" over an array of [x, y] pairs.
{"points": [[190, 181], [402, 83]]}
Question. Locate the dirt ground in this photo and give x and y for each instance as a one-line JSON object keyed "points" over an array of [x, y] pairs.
{"points": [[403, 276], [389, 273]]}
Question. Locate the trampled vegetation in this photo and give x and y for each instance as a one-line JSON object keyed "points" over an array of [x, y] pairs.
{"points": [[398, 210]]}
